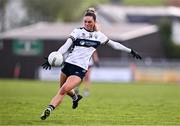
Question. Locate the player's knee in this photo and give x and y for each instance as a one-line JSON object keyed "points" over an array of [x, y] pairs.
{"points": [[64, 90]]}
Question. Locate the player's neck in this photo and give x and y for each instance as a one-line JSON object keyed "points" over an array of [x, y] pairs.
{"points": [[89, 30]]}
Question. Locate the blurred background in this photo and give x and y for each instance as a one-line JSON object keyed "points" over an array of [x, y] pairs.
{"points": [[31, 29]]}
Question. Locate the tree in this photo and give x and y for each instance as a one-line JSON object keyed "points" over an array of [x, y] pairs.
{"points": [[53, 10], [44, 10], [2, 14], [171, 50]]}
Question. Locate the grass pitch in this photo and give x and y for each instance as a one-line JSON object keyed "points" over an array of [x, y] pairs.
{"points": [[22, 102]]}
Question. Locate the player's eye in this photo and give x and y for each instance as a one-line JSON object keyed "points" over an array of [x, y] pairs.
{"points": [[87, 21]]}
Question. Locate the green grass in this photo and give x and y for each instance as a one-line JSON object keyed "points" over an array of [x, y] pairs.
{"points": [[22, 102]]}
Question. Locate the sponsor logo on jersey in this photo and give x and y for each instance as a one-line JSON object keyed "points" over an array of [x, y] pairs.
{"points": [[86, 43], [91, 43], [82, 42]]}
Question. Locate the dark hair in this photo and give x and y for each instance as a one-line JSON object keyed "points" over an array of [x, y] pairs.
{"points": [[91, 14]]}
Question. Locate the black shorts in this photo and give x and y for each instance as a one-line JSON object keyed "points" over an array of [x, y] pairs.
{"points": [[70, 69]]}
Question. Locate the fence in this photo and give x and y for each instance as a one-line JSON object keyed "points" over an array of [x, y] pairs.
{"points": [[112, 70]]}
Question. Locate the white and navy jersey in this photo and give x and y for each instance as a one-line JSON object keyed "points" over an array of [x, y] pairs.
{"points": [[84, 44]]}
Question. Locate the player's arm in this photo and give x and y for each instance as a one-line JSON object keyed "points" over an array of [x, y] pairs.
{"points": [[95, 59], [119, 46], [63, 49], [69, 42]]}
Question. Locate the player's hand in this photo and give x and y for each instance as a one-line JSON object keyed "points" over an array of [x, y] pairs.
{"points": [[46, 64], [135, 54]]}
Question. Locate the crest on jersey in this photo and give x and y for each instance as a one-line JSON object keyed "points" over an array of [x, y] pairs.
{"points": [[90, 35], [95, 36], [83, 35]]}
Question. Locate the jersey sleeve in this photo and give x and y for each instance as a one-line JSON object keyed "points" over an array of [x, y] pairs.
{"points": [[74, 34], [63, 49], [118, 46], [103, 38]]}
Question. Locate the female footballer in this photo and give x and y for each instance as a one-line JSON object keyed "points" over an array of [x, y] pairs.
{"points": [[84, 41]]}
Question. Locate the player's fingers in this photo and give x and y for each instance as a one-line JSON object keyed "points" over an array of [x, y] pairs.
{"points": [[44, 66], [139, 57]]}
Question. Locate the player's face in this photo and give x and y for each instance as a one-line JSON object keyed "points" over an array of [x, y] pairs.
{"points": [[89, 23]]}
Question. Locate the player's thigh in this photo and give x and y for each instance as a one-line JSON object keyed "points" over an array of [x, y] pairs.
{"points": [[71, 82]]}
